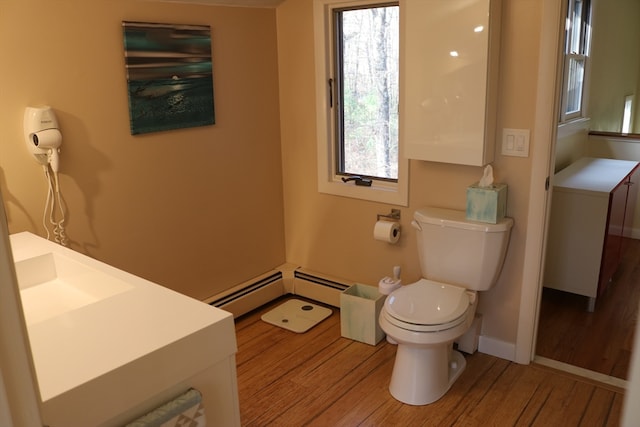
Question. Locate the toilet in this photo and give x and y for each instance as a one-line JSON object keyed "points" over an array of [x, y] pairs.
{"points": [[458, 258]]}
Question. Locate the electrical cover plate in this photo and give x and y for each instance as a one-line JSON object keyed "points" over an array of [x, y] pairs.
{"points": [[515, 142]]}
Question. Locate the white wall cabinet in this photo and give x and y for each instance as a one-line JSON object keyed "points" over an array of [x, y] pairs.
{"points": [[591, 211], [449, 75]]}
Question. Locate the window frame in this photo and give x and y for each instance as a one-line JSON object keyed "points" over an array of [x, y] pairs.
{"points": [[382, 190], [583, 38]]}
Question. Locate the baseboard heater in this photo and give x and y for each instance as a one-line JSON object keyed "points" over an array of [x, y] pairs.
{"points": [[263, 289], [318, 288], [250, 295]]}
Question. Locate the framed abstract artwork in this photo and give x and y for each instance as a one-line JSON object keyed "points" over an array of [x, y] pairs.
{"points": [[169, 76]]}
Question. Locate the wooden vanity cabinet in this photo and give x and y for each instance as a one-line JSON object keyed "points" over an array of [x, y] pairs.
{"points": [[592, 210]]}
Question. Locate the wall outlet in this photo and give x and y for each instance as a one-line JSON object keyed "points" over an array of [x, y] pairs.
{"points": [[515, 142]]}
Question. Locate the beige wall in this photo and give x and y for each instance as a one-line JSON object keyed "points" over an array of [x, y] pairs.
{"points": [[615, 66], [198, 210], [333, 235], [571, 143], [201, 210]]}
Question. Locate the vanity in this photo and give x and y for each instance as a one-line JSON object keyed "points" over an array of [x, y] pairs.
{"points": [[108, 346], [591, 211]]}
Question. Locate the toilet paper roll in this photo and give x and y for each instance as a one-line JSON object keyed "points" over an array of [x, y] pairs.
{"points": [[387, 231]]}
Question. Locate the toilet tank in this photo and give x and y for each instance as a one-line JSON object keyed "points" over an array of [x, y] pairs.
{"points": [[458, 251]]}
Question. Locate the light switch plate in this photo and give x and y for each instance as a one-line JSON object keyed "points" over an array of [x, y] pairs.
{"points": [[515, 142]]}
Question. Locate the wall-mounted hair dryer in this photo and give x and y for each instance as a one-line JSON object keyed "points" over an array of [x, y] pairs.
{"points": [[43, 136]]}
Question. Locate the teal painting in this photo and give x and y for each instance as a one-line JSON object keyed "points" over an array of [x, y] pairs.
{"points": [[169, 76]]}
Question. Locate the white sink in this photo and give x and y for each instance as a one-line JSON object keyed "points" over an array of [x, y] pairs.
{"points": [[109, 346], [53, 284]]}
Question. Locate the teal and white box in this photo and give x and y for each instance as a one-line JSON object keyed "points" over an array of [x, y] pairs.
{"points": [[360, 306], [487, 204]]}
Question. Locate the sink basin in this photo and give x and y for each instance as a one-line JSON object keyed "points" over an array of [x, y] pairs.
{"points": [[52, 284], [109, 346]]}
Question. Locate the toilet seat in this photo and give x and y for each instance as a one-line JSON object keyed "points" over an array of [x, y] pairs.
{"points": [[428, 306]]}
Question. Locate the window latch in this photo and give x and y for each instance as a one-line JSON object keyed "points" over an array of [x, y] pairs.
{"points": [[363, 182]]}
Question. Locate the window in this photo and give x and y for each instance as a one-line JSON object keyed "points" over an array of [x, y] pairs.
{"points": [[357, 90], [366, 93], [576, 54], [626, 115]]}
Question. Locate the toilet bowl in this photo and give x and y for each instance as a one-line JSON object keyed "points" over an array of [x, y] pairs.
{"points": [[458, 258], [424, 318]]}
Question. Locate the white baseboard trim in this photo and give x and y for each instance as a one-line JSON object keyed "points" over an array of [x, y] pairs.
{"points": [[586, 373], [498, 348]]}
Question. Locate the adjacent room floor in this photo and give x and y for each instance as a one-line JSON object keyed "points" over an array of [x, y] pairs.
{"points": [[321, 379], [601, 341]]}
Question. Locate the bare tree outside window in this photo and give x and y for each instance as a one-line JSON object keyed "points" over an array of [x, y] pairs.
{"points": [[367, 114]]}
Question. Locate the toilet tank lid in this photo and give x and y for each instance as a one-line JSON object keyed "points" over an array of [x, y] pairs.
{"points": [[458, 219]]}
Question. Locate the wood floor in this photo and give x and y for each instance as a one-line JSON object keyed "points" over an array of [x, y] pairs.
{"points": [[601, 341], [321, 379]]}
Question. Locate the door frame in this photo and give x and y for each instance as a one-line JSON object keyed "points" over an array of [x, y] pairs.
{"points": [[543, 159]]}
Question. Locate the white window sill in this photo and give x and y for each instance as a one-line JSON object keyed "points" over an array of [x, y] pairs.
{"points": [[571, 127], [380, 191]]}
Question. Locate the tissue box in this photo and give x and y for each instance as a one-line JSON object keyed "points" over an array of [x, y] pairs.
{"points": [[360, 307], [487, 204]]}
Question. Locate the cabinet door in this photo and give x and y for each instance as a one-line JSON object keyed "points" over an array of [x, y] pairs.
{"points": [[612, 249], [619, 225], [574, 251], [632, 198], [449, 79]]}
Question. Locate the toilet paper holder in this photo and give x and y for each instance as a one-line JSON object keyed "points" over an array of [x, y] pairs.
{"points": [[393, 216]]}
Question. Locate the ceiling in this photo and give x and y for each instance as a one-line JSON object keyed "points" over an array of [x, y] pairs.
{"points": [[238, 3]]}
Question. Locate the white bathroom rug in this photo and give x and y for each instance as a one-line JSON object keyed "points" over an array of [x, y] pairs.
{"points": [[296, 315]]}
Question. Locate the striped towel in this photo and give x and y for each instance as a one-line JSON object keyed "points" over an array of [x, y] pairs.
{"points": [[185, 410]]}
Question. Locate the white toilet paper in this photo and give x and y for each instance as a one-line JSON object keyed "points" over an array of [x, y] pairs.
{"points": [[387, 231]]}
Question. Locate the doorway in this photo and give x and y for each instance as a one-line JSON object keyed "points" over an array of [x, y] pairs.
{"points": [[599, 341]]}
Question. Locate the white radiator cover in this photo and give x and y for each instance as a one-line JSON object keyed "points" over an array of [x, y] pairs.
{"points": [[286, 279]]}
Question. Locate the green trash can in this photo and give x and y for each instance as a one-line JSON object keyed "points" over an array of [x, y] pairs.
{"points": [[360, 307]]}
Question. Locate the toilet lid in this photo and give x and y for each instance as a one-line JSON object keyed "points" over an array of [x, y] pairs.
{"points": [[428, 303]]}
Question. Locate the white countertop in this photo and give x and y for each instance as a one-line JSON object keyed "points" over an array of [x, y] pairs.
{"points": [[593, 175], [88, 346]]}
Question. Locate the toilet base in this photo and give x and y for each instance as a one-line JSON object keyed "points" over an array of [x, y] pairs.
{"points": [[422, 375]]}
